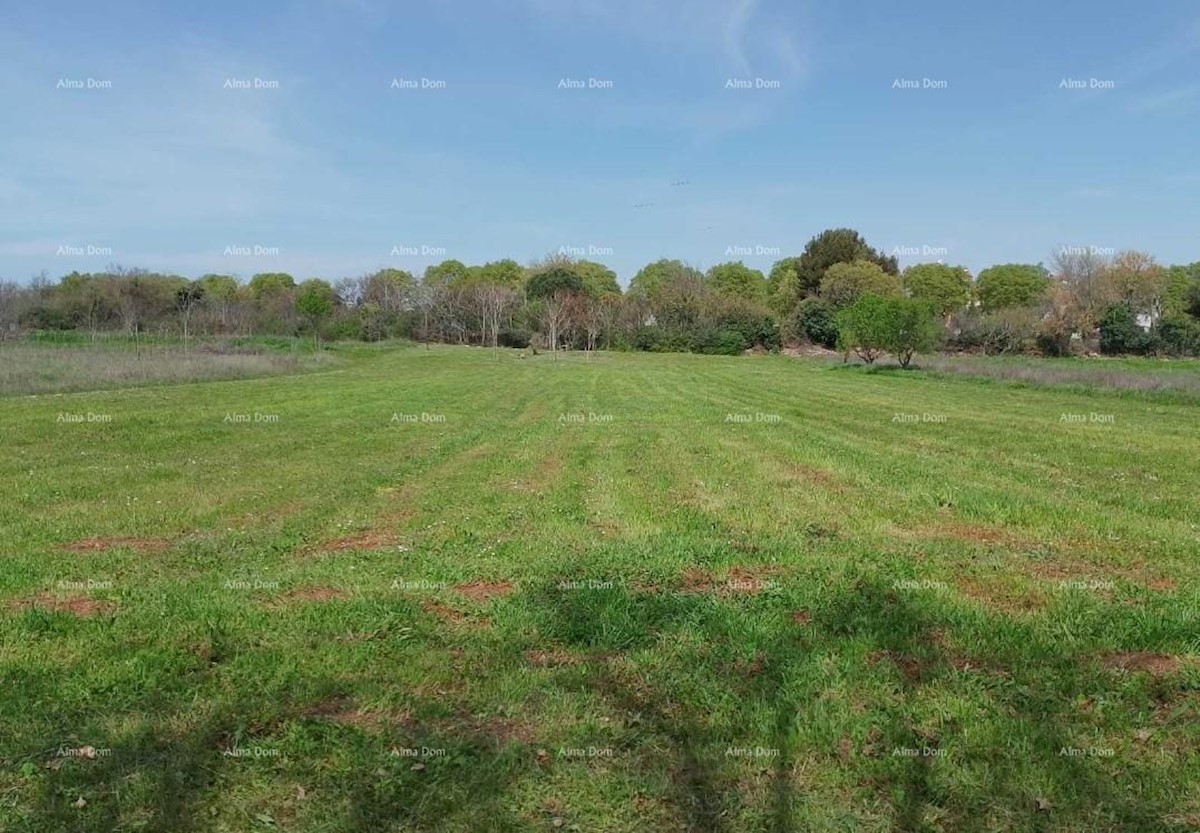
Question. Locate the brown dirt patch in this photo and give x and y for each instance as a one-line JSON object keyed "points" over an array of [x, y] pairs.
{"points": [[445, 613], [481, 591], [973, 533], [551, 659], [1156, 665], [372, 539], [506, 730], [139, 545], [746, 580], [914, 670], [81, 606], [695, 580], [809, 474], [801, 617], [316, 594], [753, 667], [1004, 599], [497, 729], [345, 712], [737, 580], [1085, 575], [605, 526]]}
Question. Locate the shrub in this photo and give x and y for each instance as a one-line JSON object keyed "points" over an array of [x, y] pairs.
{"points": [[345, 328], [513, 337], [1120, 333], [1053, 342], [718, 342], [815, 321], [1012, 330], [1178, 335], [658, 339], [754, 323], [48, 318]]}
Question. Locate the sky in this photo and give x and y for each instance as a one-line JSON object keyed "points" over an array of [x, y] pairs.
{"points": [[330, 138]]}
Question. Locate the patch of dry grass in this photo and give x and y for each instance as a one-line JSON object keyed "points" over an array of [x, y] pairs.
{"points": [[27, 369]]}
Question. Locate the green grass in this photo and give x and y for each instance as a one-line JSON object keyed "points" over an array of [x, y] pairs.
{"points": [[1176, 378], [63, 362], [740, 625]]}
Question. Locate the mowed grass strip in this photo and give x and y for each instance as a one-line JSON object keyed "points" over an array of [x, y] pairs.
{"points": [[454, 589]]}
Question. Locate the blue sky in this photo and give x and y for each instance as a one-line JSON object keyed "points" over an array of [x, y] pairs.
{"points": [[332, 171]]}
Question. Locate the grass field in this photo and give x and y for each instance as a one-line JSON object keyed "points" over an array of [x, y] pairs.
{"points": [[69, 362], [453, 590]]}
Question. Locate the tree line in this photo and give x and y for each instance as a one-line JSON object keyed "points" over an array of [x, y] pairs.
{"points": [[838, 293]]}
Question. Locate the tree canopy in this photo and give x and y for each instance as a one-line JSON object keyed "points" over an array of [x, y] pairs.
{"points": [[736, 280], [845, 282], [1011, 285], [833, 246], [947, 288]]}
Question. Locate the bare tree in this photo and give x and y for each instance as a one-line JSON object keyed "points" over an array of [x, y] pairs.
{"points": [[187, 298], [14, 300], [493, 301], [1138, 282], [555, 317], [1083, 272]]}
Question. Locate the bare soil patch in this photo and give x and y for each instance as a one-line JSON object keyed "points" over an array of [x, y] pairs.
{"points": [[1005, 599], [551, 659], [809, 474], [444, 613], [373, 539], [737, 580], [913, 669], [1156, 665], [346, 712], [80, 606], [971, 532], [139, 545], [481, 591]]}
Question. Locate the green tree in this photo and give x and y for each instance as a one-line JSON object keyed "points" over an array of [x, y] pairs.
{"points": [[598, 280], [947, 288], [845, 282], [553, 281], [1182, 282], [1192, 300], [315, 300], [736, 280], [270, 284], [656, 278], [783, 286], [267, 285], [1011, 285], [224, 287], [446, 273], [912, 329], [505, 272], [833, 246], [867, 326]]}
